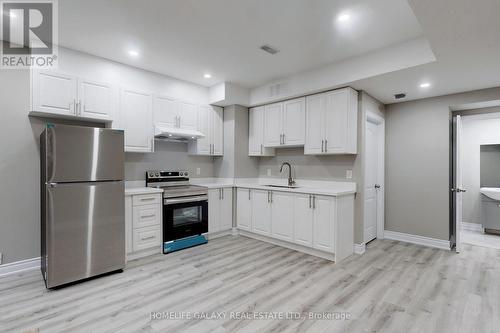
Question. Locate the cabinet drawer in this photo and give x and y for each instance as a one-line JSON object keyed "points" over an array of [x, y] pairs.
{"points": [[146, 199], [146, 238], [147, 215]]}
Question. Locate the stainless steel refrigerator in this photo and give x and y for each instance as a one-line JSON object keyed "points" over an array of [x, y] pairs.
{"points": [[82, 203]]}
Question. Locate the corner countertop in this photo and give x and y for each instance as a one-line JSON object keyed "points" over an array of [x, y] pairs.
{"points": [[139, 187], [318, 187]]}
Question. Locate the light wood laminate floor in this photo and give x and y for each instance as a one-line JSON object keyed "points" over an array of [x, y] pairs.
{"points": [[393, 287]]}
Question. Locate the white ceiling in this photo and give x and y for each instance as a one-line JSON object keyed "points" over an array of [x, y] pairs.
{"points": [[465, 38], [187, 38]]}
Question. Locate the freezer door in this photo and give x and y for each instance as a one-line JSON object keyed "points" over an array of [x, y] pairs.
{"points": [[85, 230], [79, 154]]}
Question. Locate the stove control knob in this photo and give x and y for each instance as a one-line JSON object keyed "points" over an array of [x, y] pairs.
{"points": [[186, 174]]}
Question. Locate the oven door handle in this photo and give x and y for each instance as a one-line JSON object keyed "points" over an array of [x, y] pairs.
{"points": [[186, 199]]}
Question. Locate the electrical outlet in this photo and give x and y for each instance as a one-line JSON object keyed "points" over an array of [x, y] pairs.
{"points": [[348, 174], [198, 171], [269, 172]]}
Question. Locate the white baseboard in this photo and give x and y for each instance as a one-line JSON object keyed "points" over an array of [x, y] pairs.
{"points": [[359, 248], [472, 226], [419, 240], [19, 266]]}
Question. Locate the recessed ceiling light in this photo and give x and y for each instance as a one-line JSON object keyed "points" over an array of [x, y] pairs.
{"points": [[425, 85], [343, 17], [133, 53], [207, 76]]}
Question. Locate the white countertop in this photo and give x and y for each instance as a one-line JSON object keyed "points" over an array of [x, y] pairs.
{"points": [[319, 187], [139, 187]]}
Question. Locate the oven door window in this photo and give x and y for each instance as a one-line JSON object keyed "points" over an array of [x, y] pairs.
{"points": [[187, 215]]}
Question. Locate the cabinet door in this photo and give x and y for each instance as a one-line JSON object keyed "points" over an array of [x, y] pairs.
{"points": [[303, 219], [214, 214], [323, 216], [203, 146], [261, 212], [336, 120], [217, 130], [226, 208], [293, 122], [282, 215], [255, 131], [315, 126], [244, 209], [137, 120], [188, 115], [273, 120], [166, 111], [54, 92], [96, 100]]}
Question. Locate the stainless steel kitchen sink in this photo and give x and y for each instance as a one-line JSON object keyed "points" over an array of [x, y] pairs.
{"points": [[283, 186]]}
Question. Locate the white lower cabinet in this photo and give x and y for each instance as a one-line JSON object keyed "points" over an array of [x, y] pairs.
{"points": [[143, 225], [244, 209], [282, 215], [307, 220], [303, 219], [323, 223], [261, 212], [220, 209]]}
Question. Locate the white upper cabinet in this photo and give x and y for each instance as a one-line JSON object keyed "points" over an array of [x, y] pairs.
{"points": [[96, 100], [173, 113], [54, 93], [256, 133], [188, 115], [284, 124], [136, 120], [210, 123], [273, 125], [166, 111], [294, 116], [331, 122]]}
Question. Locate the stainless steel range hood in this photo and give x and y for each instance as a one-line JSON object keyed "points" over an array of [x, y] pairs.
{"points": [[176, 134]]}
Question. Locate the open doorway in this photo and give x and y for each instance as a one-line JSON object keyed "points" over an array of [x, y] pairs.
{"points": [[475, 185]]}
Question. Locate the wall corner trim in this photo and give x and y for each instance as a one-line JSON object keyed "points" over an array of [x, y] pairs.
{"points": [[359, 248], [419, 240], [19, 266]]}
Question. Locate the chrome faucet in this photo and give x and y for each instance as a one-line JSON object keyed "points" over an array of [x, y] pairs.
{"points": [[291, 182]]}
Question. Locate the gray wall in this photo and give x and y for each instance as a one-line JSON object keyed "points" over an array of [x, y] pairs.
{"points": [[235, 163], [20, 168], [167, 156], [417, 163]]}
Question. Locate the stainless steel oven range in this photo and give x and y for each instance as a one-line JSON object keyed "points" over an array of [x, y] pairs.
{"points": [[185, 209]]}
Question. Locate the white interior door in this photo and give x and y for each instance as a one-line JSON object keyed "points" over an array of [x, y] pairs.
{"points": [[458, 184], [374, 179], [370, 231]]}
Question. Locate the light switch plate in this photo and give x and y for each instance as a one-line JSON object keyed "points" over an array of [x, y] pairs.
{"points": [[198, 171], [269, 172], [348, 174]]}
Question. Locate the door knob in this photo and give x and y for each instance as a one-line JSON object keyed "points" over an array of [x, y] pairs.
{"points": [[377, 186]]}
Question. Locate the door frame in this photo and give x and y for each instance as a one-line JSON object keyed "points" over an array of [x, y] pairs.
{"points": [[475, 108], [376, 119]]}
